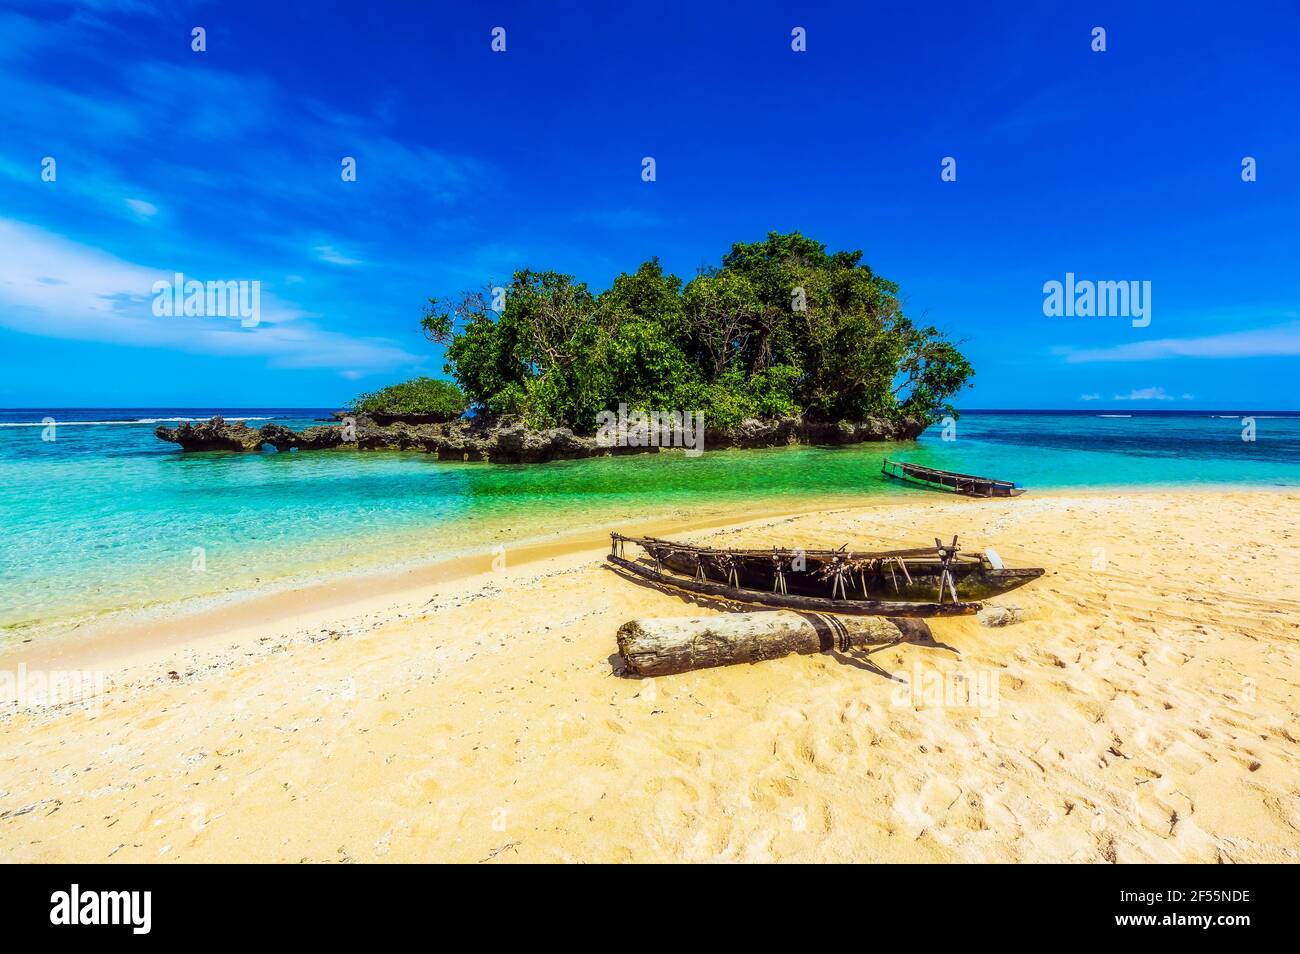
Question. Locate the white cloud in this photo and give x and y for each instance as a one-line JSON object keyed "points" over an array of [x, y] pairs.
{"points": [[328, 253], [1148, 394], [56, 288], [1094, 396], [101, 187], [1275, 341]]}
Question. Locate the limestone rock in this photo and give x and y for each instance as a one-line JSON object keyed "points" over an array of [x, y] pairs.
{"points": [[507, 440]]}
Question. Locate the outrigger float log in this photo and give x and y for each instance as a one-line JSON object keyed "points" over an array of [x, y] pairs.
{"points": [[937, 581], [967, 484]]}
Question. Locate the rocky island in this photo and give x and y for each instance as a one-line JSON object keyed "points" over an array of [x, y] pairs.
{"points": [[785, 343], [508, 440]]}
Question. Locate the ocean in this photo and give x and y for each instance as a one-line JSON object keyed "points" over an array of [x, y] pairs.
{"points": [[99, 516]]}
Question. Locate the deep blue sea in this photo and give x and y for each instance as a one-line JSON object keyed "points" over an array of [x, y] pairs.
{"points": [[98, 515]]}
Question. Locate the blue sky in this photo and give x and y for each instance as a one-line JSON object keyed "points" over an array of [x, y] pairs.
{"points": [[225, 165]]}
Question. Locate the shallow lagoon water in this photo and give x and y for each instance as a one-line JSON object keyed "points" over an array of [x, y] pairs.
{"points": [[106, 517]]}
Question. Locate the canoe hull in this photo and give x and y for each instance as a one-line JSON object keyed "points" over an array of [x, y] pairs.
{"points": [[967, 484], [975, 580], [810, 604]]}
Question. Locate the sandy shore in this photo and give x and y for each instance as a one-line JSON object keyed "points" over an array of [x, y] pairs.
{"points": [[1144, 710]]}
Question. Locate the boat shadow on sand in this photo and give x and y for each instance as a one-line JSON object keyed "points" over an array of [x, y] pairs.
{"points": [[914, 632]]}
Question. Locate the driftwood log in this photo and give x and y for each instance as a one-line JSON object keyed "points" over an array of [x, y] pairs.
{"points": [[661, 647]]}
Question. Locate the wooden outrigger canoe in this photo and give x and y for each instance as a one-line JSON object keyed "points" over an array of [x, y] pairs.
{"points": [[967, 484], [925, 581], [886, 575], [810, 604]]}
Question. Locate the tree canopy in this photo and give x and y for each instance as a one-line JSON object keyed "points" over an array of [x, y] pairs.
{"points": [[423, 397], [782, 327]]}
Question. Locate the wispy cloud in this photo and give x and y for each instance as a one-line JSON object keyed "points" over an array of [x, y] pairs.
{"points": [[56, 288], [1276, 341], [271, 139], [244, 168], [1090, 397], [328, 253], [1147, 394]]}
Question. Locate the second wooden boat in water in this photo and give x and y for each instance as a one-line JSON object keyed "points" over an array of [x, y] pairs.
{"points": [[967, 484]]}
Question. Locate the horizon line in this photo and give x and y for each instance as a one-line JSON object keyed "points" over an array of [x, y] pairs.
{"points": [[969, 410]]}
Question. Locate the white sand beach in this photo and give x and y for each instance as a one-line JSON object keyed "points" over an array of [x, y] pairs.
{"points": [[1145, 709]]}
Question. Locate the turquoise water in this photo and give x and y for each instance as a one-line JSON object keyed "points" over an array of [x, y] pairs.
{"points": [[106, 517]]}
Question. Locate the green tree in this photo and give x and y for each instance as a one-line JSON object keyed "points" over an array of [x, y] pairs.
{"points": [[423, 397], [782, 327]]}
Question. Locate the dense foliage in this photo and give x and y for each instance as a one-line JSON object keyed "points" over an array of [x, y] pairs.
{"points": [[781, 328], [424, 397]]}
